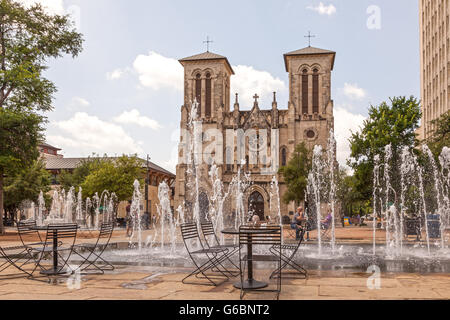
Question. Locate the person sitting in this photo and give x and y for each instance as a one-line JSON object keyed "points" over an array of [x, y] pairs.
{"points": [[297, 222], [256, 220], [325, 224]]}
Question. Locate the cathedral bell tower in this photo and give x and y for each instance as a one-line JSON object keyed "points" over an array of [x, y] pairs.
{"points": [[310, 81], [207, 79]]}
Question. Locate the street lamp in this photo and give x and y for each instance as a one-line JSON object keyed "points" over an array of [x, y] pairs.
{"points": [[147, 182]]}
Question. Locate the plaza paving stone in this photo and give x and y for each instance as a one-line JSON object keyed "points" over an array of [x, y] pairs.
{"points": [[155, 283], [126, 283]]}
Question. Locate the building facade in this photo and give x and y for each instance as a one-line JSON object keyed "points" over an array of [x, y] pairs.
{"points": [[151, 172], [434, 62], [308, 118]]}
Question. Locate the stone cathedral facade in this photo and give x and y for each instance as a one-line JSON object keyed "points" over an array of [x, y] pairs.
{"points": [[308, 117]]}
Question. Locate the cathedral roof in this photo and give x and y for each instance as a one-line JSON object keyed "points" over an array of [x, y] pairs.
{"points": [[308, 51], [207, 56]]}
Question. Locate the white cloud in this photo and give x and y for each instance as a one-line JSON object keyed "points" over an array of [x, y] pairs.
{"points": [[249, 81], [323, 9], [344, 123], [134, 117], [52, 6], [77, 103], [84, 134], [156, 71], [115, 75], [352, 91]]}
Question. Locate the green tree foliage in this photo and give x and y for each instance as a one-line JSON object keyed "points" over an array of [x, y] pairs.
{"points": [[76, 178], [115, 175], [26, 185], [441, 135], [295, 174], [28, 38], [393, 124]]}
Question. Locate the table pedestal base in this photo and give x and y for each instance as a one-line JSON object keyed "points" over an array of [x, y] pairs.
{"points": [[54, 272], [251, 284]]}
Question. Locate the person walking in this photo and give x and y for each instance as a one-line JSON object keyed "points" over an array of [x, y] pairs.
{"points": [[128, 219]]}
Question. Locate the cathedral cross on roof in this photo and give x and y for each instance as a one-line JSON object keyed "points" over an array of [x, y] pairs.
{"points": [[207, 43], [309, 36]]}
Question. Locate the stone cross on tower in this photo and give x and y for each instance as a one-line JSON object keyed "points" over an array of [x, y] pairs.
{"points": [[256, 97], [309, 36]]}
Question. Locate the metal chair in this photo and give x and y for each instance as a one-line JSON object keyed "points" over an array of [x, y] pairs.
{"points": [[250, 236], [288, 260], [212, 242], [14, 257], [66, 233], [28, 233], [103, 239], [195, 248]]}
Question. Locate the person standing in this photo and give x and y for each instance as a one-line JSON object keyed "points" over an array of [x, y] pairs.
{"points": [[297, 221], [128, 219]]}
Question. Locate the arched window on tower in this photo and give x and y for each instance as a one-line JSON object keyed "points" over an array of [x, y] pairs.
{"points": [[198, 93], [316, 91], [208, 96], [305, 92], [283, 157]]}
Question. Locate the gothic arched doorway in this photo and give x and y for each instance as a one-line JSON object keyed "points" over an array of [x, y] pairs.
{"points": [[256, 204], [203, 203]]}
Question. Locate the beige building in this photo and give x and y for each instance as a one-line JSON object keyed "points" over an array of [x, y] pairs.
{"points": [[154, 174], [308, 117], [434, 61]]}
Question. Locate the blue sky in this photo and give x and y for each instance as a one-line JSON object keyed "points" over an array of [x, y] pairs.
{"points": [[123, 93]]}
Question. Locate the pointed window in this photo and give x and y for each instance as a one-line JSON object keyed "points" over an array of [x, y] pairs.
{"points": [[283, 157], [316, 91], [305, 92], [208, 96], [198, 93]]}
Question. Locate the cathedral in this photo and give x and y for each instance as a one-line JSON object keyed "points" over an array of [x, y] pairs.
{"points": [[308, 118]]}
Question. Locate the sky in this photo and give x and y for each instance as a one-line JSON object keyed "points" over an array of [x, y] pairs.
{"points": [[123, 93]]}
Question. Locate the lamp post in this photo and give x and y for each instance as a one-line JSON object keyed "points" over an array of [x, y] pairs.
{"points": [[147, 182]]}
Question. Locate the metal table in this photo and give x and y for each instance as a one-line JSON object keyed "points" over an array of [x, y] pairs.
{"points": [[54, 271], [250, 283]]}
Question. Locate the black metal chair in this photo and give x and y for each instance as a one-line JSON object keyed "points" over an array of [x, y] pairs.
{"points": [[195, 248], [288, 260], [16, 257], [66, 234], [93, 258], [212, 242], [250, 236], [28, 233]]}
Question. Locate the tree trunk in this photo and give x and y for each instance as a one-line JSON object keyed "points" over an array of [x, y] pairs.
{"points": [[2, 228]]}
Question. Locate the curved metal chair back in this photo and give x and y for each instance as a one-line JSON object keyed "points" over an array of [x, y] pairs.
{"points": [[209, 233], [27, 234], [189, 232], [270, 235]]}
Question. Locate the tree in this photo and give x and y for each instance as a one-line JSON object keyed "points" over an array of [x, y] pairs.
{"points": [[393, 124], [76, 178], [295, 174], [26, 185], [28, 38], [441, 135], [115, 175]]}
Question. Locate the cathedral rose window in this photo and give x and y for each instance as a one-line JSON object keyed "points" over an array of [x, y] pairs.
{"points": [[310, 134]]}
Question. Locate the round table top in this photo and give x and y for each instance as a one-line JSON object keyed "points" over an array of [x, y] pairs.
{"points": [[260, 229], [50, 227]]}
